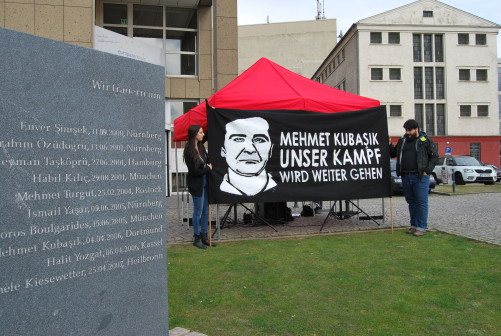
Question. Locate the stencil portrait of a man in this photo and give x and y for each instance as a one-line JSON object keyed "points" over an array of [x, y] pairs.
{"points": [[247, 149]]}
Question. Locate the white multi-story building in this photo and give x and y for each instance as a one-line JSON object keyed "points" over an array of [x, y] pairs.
{"points": [[499, 95], [430, 62]]}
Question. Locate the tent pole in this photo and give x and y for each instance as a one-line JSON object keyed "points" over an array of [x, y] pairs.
{"points": [[210, 226], [177, 188], [391, 213]]}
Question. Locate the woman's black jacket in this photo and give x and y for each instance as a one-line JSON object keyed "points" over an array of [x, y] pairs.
{"points": [[194, 180]]}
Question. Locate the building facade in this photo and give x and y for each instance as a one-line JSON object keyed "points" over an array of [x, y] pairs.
{"points": [[430, 62], [198, 37], [499, 95], [297, 46]]}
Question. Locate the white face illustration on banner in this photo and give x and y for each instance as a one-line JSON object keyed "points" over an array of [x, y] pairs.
{"points": [[247, 148]]}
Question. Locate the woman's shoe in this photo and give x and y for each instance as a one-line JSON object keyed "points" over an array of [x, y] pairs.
{"points": [[205, 240], [198, 242]]}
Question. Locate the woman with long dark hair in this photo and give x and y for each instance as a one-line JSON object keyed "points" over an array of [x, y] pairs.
{"points": [[197, 160]]}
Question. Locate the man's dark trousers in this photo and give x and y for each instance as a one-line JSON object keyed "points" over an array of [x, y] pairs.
{"points": [[416, 194]]}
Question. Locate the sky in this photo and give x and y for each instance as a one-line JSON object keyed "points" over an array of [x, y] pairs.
{"points": [[348, 12]]}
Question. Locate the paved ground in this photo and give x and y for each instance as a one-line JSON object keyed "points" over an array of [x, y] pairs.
{"points": [[473, 216]]}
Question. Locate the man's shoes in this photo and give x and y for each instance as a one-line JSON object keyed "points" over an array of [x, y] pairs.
{"points": [[418, 233], [411, 231]]}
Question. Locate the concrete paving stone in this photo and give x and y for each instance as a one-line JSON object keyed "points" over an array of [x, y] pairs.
{"points": [[184, 332], [471, 216], [178, 332]]}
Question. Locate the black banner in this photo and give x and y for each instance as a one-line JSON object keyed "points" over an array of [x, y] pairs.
{"points": [[279, 156]]}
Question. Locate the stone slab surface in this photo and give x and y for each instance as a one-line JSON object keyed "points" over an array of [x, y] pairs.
{"points": [[178, 331], [82, 226]]}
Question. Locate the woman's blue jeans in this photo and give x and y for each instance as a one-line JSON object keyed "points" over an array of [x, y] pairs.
{"points": [[200, 218], [416, 194]]}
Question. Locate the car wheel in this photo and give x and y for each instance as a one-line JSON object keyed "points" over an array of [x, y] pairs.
{"points": [[437, 181], [459, 179]]}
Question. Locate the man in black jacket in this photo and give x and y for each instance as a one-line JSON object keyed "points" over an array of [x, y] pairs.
{"points": [[416, 157]]}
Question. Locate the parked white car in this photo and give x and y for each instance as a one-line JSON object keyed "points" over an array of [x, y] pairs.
{"points": [[498, 171], [464, 169]]}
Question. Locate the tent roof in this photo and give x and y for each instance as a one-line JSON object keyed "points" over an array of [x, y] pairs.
{"points": [[269, 86]]}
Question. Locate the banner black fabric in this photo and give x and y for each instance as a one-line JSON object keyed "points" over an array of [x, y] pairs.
{"points": [[279, 156]]}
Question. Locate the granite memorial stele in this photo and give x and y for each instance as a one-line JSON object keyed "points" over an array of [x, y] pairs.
{"points": [[83, 226]]}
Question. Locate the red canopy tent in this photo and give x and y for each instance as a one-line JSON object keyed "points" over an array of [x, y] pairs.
{"points": [[268, 86]]}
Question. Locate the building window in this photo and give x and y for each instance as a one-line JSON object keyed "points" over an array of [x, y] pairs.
{"points": [[439, 81], [427, 13], [376, 37], [482, 110], [464, 74], [376, 74], [465, 110], [430, 119], [181, 41], [173, 29], [481, 75], [439, 48], [394, 38], [440, 119], [115, 14], [416, 47], [341, 86], [499, 79], [395, 110], [429, 83], [464, 39], [176, 108], [499, 103], [428, 48], [339, 58], [434, 119], [418, 113], [434, 83], [475, 150], [480, 39], [178, 181], [418, 83], [395, 74], [144, 15]]}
